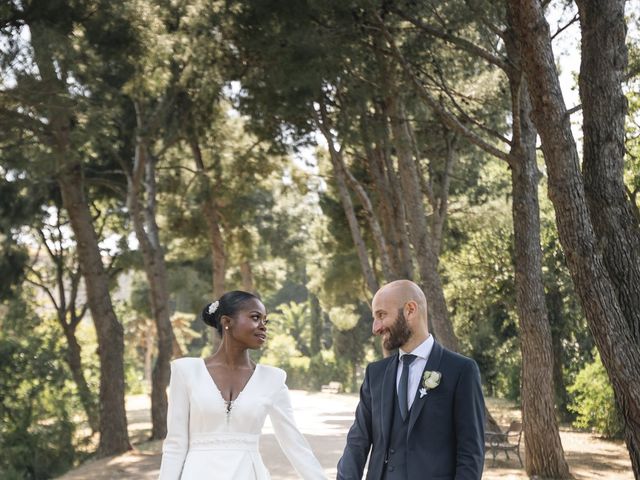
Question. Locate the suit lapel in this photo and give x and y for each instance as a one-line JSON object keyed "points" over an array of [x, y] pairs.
{"points": [[387, 400], [433, 363]]}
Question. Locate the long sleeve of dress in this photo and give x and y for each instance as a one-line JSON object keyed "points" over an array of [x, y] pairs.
{"points": [[175, 446], [292, 442]]}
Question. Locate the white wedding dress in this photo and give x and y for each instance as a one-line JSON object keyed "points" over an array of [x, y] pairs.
{"points": [[204, 441]]}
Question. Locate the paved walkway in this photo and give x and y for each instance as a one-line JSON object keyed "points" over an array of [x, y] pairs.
{"points": [[325, 419]]}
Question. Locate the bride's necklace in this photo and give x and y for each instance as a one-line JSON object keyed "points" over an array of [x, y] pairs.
{"points": [[229, 403]]}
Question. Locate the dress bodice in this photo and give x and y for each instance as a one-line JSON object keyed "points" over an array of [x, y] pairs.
{"points": [[205, 439]]}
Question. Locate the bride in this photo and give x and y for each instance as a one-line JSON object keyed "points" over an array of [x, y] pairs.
{"points": [[218, 405]]}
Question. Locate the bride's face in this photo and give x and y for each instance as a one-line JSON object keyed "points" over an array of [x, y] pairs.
{"points": [[249, 325]]}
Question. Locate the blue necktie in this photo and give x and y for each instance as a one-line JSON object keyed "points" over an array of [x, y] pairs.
{"points": [[406, 359]]}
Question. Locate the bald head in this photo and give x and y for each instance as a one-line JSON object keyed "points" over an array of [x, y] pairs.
{"points": [[400, 315], [403, 291]]}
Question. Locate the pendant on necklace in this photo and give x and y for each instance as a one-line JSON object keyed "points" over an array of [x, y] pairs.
{"points": [[229, 407]]}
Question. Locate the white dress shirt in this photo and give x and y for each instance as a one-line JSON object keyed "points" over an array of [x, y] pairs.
{"points": [[416, 368]]}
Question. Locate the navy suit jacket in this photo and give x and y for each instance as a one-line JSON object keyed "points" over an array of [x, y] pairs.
{"points": [[446, 426]]}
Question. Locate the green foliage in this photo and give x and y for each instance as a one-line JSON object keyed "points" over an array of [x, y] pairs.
{"points": [[294, 319], [351, 339], [281, 351], [19, 205], [594, 403], [481, 294], [36, 403], [324, 367]]}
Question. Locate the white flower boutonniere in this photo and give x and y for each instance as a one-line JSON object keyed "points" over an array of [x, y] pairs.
{"points": [[430, 380]]}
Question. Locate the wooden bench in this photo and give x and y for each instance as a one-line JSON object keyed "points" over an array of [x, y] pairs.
{"points": [[506, 442], [332, 387]]}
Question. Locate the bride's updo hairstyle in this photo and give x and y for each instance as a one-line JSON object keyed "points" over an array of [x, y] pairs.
{"points": [[229, 304]]}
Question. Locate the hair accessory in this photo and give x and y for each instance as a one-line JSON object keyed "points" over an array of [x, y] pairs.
{"points": [[213, 307], [227, 327]]}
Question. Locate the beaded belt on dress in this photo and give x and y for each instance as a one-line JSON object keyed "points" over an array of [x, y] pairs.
{"points": [[223, 441]]}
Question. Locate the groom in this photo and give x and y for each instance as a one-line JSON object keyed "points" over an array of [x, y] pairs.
{"points": [[421, 411]]}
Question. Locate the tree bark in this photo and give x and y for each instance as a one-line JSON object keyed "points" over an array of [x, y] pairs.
{"points": [[147, 233], [149, 344], [114, 438], [372, 217], [212, 218], [544, 453], [440, 204], [68, 315], [74, 361], [556, 320], [216, 240], [347, 204], [390, 186], [418, 229], [247, 276], [315, 314], [614, 337], [391, 214], [604, 108]]}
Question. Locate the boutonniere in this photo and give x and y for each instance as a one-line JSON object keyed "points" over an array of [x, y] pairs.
{"points": [[430, 380]]}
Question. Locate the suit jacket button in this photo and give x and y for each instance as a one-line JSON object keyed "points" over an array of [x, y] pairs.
{"points": [[392, 451], [391, 468]]}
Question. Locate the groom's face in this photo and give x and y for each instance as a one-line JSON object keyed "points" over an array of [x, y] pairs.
{"points": [[398, 332], [390, 322]]}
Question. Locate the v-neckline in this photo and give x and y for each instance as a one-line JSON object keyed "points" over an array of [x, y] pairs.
{"points": [[217, 389]]}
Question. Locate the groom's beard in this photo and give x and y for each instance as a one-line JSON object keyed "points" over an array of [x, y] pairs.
{"points": [[399, 333]]}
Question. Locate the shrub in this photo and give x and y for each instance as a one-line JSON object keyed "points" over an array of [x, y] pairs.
{"points": [[593, 401], [36, 402]]}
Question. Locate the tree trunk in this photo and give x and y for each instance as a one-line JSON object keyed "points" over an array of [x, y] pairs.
{"points": [[397, 252], [216, 241], [400, 216], [247, 276], [441, 203], [74, 361], [114, 438], [212, 217], [149, 343], [418, 228], [147, 234], [615, 339], [316, 324], [347, 203], [390, 188], [372, 217], [69, 317], [410, 197], [544, 453], [556, 320], [604, 108]]}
